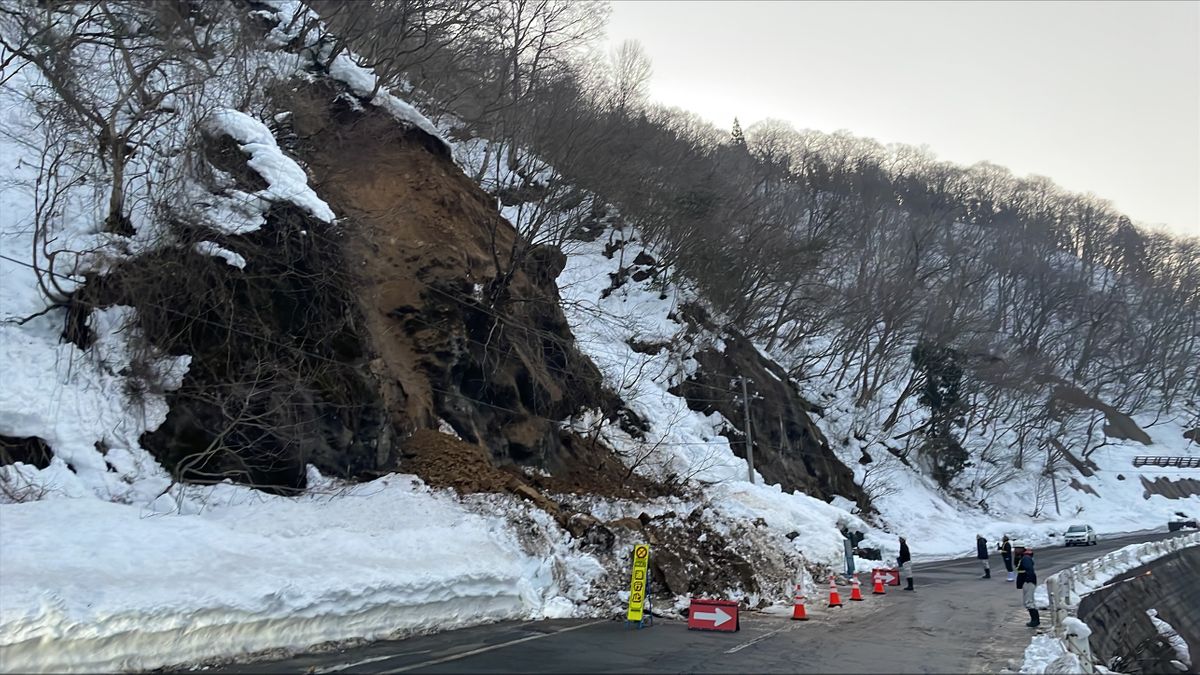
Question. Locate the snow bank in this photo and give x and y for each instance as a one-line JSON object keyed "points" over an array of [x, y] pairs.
{"points": [[95, 586], [84, 406]]}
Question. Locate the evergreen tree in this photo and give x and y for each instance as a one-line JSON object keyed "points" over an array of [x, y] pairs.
{"points": [[738, 138], [941, 393]]}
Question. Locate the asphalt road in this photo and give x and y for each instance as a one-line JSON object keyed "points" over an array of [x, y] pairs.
{"points": [[954, 622]]}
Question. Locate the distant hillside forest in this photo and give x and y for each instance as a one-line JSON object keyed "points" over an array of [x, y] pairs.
{"points": [[795, 235]]}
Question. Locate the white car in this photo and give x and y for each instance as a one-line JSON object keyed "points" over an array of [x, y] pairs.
{"points": [[1081, 535]]}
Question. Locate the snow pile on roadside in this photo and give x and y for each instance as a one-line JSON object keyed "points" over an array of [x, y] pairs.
{"points": [[1172, 637], [1046, 654], [95, 586], [1049, 654]]}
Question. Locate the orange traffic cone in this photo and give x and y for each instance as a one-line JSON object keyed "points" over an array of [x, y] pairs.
{"points": [[855, 591], [878, 587], [798, 613], [835, 600]]}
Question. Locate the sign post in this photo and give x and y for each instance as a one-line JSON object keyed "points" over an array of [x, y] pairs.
{"points": [[639, 583]]}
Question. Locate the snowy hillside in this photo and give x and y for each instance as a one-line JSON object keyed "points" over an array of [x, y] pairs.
{"points": [[1109, 492], [344, 302]]}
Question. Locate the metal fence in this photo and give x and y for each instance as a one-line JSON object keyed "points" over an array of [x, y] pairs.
{"points": [[1158, 460], [1062, 588]]}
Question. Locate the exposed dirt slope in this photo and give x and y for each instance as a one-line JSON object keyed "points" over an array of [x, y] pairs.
{"points": [[463, 330], [789, 448]]}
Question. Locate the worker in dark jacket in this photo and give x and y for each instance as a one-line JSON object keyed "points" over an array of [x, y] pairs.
{"points": [[905, 563], [1006, 555], [981, 552], [1027, 582]]}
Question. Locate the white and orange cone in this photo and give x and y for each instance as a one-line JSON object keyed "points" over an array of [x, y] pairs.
{"points": [[835, 600], [855, 591], [878, 587], [798, 613]]}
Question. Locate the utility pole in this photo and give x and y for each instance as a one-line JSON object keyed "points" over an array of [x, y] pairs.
{"points": [[1053, 479], [749, 439]]}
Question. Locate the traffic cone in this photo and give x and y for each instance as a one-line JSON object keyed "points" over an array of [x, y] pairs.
{"points": [[855, 591], [798, 613], [835, 600], [878, 587]]}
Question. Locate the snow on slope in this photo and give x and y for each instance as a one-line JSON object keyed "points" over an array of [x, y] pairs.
{"points": [[681, 441], [1173, 638], [939, 526], [687, 443]]}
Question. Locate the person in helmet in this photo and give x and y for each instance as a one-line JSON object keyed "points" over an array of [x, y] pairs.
{"points": [[1027, 582]]}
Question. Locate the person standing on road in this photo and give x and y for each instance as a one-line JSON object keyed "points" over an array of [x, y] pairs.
{"points": [[1006, 555], [1027, 582], [905, 563], [981, 552]]}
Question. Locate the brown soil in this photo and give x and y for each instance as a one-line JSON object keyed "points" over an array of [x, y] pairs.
{"points": [[462, 330], [444, 461]]}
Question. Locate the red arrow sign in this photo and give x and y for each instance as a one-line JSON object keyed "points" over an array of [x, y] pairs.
{"points": [[888, 575], [721, 615]]}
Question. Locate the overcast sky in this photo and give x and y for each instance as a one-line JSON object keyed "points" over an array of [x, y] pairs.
{"points": [[1099, 96]]}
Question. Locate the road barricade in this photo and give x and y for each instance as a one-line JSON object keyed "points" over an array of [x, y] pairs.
{"points": [[719, 615]]}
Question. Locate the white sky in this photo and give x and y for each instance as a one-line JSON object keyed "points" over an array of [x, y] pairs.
{"points": [[1102, 97]]}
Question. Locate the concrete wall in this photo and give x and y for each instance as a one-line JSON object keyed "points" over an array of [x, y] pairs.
{"points": [[1120, 628]]}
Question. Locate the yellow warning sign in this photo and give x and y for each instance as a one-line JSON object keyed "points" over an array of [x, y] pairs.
{"points": [[637, 582]]}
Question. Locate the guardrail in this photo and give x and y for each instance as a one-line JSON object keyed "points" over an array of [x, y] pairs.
{"points": [[1157, 460], [1062, 589]]}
